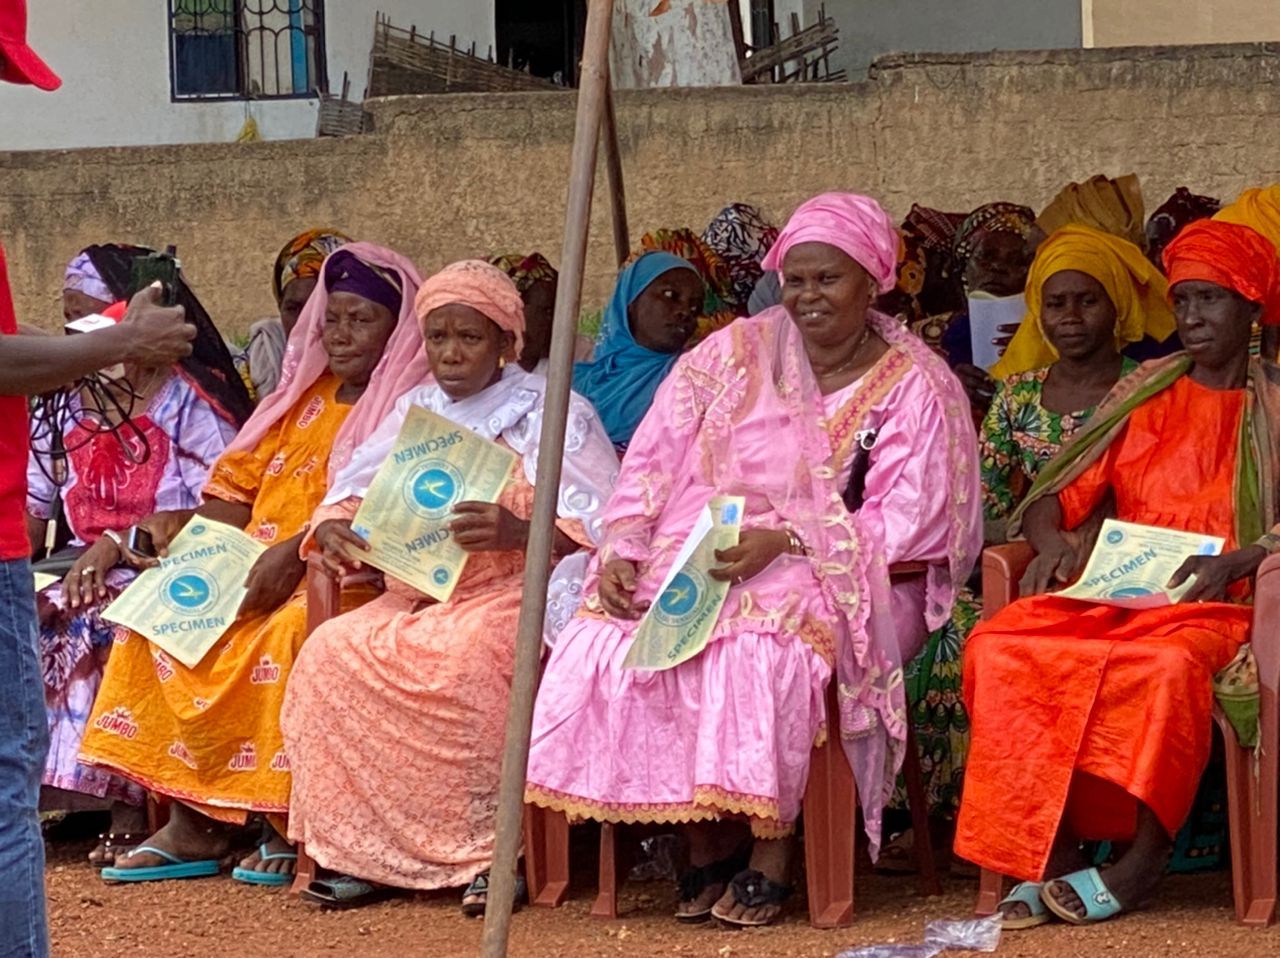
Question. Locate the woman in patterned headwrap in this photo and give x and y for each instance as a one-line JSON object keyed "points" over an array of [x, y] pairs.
{"points": [[741, 237], [536, 280], [991, 256], [296, 271], [1175, 214], [376, 807], [927, 282]]}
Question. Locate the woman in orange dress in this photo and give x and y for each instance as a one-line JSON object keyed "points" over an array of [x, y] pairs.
{"points": [[1090, 721], [209, 736]]}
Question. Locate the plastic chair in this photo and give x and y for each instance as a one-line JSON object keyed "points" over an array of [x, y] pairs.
{"points": [[324, 601], [830, 832], [1253, 804]]}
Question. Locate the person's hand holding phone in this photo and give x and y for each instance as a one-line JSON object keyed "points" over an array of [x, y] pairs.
{"points": [[158, 335]]}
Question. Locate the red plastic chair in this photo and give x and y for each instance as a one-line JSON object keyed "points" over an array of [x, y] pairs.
{"points": [[830, 832], [1253, 805], [324, 602]]}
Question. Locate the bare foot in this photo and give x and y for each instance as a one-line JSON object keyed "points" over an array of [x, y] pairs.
{"points": [[128, 828], [772, 858], [701, 903], [709, 844], [1064, 858]]}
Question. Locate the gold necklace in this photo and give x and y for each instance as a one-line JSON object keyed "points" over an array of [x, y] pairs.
{"points": [[853, 357]]}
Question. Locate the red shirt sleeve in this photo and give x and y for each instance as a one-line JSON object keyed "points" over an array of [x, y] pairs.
{"points": [[13, 446]]}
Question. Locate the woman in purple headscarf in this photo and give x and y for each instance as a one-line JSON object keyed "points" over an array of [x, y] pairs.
{"points": [[849, 442]]}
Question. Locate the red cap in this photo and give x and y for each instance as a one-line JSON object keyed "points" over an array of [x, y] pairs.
{"points": [[18, 62]]}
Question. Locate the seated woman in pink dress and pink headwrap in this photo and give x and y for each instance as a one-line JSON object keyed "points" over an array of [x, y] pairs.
{"points": [[424, 682], [849, 441]]}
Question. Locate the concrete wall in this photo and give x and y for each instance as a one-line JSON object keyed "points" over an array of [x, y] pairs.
{"points": [[454, 176], [872, 28], [1118, 23], [114, 65]]}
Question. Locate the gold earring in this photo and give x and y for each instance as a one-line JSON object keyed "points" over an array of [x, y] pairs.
{"points": [[502, 362]]}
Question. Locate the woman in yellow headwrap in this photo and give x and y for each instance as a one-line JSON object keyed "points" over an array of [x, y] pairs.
{"points": [[1089, 294], [1259, 209], [1119, 272]]}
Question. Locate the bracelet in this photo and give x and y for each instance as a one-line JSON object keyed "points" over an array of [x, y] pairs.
{"points": [[795, 545], [1270, 542], [114, 537]]}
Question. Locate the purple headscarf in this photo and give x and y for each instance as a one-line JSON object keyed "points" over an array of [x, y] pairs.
{"points": [[344, 272]]}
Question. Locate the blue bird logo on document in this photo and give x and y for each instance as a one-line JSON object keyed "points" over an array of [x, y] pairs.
{"points": [[680, 599], [189, 592], [433, 490]]}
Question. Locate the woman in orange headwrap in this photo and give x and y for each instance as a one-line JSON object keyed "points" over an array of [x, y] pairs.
{"points": [[1091, 721]]}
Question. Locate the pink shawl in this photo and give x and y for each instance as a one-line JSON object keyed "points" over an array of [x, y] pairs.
{"points": [[850, 563], [755, 374], [403, 365]]}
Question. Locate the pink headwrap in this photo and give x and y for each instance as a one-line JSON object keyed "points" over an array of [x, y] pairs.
{"points": [[483, 287], [853, 224], [403, 365]]}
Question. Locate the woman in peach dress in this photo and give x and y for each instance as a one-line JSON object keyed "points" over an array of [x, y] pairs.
{"points": [[393, 718]]}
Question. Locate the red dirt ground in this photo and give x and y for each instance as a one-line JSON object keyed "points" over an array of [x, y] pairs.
{"points": [[217, 917]]}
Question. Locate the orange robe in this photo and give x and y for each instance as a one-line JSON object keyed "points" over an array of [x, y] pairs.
{"points": [[1111, 706], [210, 736]]}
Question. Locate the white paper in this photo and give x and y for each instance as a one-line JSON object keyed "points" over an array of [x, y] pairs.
{"points": [[696, 535], [986, 315], [1130, 565]]}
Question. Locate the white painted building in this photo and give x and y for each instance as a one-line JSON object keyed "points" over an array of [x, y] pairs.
{"points": [[193, 71]]}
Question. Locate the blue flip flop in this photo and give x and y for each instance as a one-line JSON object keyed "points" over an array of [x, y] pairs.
{"points": [[1099, 903], [176, 869], [251, 876]]}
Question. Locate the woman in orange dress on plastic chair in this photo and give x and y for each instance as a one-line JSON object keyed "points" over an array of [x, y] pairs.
{"points": [[1090, 721]]}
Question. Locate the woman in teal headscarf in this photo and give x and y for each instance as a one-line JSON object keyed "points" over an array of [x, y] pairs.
{"points": [[653, 312]]}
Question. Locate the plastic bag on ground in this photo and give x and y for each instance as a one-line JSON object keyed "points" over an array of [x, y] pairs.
{"points": [[975, 934], [972, 934]]}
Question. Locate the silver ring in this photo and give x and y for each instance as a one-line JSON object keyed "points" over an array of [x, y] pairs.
{"points": [[87, 569]]}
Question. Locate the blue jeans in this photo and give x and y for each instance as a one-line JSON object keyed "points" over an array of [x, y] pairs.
{"points": [[24, 740]]}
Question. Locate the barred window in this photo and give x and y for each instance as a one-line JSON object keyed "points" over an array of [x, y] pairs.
{"points": [[247, 49]]}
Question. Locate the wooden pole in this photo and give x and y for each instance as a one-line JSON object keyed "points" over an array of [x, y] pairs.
{"points": [[613, 166], [593, 92]]}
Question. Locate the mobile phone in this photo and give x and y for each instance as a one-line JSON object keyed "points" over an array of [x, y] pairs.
{"points": [[91, 324], [157, 267], [140, 542]]}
